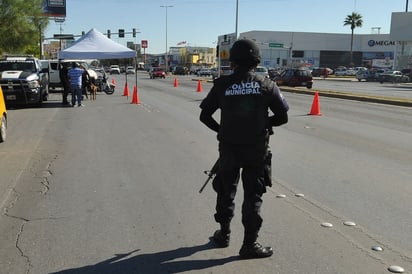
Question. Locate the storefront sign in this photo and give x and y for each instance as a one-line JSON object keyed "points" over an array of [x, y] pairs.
{"points": [[373, 43]]}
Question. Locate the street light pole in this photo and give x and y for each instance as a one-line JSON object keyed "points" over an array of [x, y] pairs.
{"points": [[166, 7]]}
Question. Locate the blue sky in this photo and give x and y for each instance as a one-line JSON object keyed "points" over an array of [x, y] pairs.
{"points": [[200, 22]]}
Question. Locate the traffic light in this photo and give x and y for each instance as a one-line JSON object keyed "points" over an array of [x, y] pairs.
{"points": [[121, 33], [134, 32], [108, 33]]}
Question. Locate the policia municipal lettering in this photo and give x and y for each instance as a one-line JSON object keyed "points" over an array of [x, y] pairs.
{"points": [[244, 100]]}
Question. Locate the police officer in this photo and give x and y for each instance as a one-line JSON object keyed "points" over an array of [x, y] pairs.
{"points": [[244, 100]]}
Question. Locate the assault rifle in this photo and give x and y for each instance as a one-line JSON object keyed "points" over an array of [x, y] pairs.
{"points": [[210, 173], [267, 171], [267, 168]]}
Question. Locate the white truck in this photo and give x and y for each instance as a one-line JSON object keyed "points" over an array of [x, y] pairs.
{"points": [[54, 71]]}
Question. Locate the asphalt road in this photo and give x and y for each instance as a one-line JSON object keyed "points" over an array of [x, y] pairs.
{"points": [[113, 187]]}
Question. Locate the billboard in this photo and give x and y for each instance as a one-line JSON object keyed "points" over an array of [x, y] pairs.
{"points": [[54, 8], [401, 26]]}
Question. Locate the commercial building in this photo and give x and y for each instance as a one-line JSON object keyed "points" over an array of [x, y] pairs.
{"points": [[186, 56], [281, 49], [401, 25]]}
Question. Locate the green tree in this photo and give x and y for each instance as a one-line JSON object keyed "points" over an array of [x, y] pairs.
{"points": [[21, 26], [353, 20]]}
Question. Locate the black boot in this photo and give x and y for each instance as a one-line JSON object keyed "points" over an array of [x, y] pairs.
{"points": [[222, 236], [254, 251], [221, 239]]}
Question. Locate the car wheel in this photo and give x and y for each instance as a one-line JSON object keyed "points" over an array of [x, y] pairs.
{"points": [[309, 86], [3, 129]]}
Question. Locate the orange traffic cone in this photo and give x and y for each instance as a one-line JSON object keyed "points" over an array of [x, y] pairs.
{"points": [[199, 86], [135, 99], [315, 110], [113, 81], [126, 90], [176, 84]]}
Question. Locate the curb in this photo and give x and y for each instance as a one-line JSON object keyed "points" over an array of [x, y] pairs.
{"points": [[352, 96]]}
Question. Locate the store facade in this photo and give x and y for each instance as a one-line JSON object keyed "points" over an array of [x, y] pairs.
{"points": [[294, 49]]}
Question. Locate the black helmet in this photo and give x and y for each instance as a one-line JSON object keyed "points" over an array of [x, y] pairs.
{"points": [[245, 52]]}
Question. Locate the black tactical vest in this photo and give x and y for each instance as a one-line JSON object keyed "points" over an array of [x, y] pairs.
{"points": [[243, 100]]}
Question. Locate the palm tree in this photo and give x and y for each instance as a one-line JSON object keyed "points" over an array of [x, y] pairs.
{"points": [[354, 20]]}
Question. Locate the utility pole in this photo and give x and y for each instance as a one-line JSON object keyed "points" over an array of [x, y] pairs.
{"points": [[166, 55]]}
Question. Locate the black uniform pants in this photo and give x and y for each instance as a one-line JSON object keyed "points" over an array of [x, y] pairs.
{"points": [[246, 161], [66, 90]]}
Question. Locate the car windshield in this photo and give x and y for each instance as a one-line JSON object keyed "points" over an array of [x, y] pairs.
{"points": [[302, 73], [17, 65]]}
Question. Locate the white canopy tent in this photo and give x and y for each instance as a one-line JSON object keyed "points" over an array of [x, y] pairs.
{"points": [[95, 45]]}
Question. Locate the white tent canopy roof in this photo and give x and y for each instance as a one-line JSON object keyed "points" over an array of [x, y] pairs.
{"points": [[95, 45]]}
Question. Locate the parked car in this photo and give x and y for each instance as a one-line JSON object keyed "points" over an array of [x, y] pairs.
{"points": [[224, 70], [407, 72], [380, 71], [273, 73], [54, 67], [295, 77], [366, 75], [23, 80], [318, 72], [157, 72], [179, 70], [204, 72], [3, 117], [358, 69], [262, 71], [393, 76], [114, 69], [130, 70], [344, 72]]}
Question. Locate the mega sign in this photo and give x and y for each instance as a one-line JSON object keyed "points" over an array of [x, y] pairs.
{"points": [[373, 43]]}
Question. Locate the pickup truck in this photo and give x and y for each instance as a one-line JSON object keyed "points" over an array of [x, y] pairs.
{"points": [[54, 71], [23, 80], [366, 75]]}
